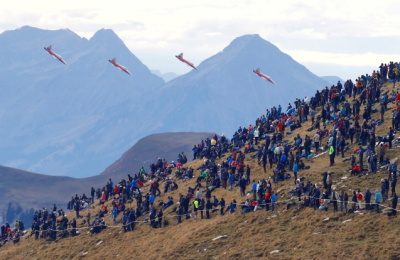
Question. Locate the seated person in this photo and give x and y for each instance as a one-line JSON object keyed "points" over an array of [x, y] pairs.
{"points": [[215, 202], [246, 207], [169, 203], [217, 182], [356, 170], [301, 165], [254, 205], [202, 176], [279, 175]]}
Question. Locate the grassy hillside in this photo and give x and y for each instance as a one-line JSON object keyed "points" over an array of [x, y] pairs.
{"points": [[298, 233]]}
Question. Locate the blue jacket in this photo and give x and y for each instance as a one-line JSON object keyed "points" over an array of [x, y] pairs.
{"points": [[273, 197], [231, 178], [152, 198], [378, 197], [115, 211], [295, 167], [254, 186], [299, 141]]}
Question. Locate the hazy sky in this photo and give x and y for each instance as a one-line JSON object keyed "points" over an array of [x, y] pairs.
{"points": [[341, 38]]}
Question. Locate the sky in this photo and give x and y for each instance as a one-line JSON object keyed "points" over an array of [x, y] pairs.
{"points": [[331, 38]]}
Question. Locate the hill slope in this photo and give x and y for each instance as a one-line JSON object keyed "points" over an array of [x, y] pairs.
{"points": [[297, 233]]}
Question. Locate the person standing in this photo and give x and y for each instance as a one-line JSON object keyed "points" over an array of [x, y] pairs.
{"points": [[160, 215], [248, 173], [231, 180], [391, 137], [77, 208], [132, 218], [354, 200], [92, 193], [295, 171], [201, 207], [242, 184], [195, 207], [208, 208], [342, 144], [382, 153], [222, 205], [368, 196], [115, 213], [316, 139], [334, 199], [360, 198], [73, 227], [254, 188], [395, 200], [332, 155], [361, 158], [378, 199], [273, 200]]}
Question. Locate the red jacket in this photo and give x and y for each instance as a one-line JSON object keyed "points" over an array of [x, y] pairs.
{"points": [[280, 126], [360, 196]]}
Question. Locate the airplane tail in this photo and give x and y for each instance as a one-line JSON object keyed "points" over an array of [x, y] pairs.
{"points": [[180, 55]]}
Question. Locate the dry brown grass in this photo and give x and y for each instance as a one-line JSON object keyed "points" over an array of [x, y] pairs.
{"points": [[297, 233]]}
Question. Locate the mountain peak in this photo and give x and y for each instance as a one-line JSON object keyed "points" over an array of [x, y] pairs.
{"points": [[27, 27], [248, 37], [104, 34], [248, 41]]}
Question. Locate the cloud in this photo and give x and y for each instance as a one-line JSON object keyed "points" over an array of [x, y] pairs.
{"points": [[206, 27], [350, 59]]}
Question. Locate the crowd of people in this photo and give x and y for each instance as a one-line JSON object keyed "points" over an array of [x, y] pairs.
{"points": [[341, 118]]}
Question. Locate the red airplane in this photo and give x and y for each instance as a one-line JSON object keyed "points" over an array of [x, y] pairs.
{"points": [[55, 55], [180, 57], [257, 71], [114, 62]]}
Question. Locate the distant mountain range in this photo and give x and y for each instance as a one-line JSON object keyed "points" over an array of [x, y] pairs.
{"points": [[333, 80], [76, 119], [165, 76]]}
